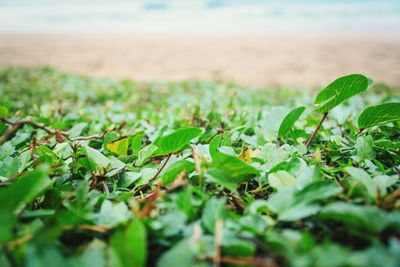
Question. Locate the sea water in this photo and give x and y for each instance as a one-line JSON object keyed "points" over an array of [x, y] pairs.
{"points": [[282, 17]]}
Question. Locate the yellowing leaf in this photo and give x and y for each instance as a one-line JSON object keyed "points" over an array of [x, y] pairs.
{"points": [[119, 147], [245, 154]]}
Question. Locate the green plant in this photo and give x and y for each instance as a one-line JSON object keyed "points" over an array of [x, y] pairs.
{"points": [[379, 114], [335, 93], [95, 172]]}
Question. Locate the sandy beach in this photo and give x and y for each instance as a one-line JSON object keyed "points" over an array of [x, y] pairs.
{"points": [[254, 61]]}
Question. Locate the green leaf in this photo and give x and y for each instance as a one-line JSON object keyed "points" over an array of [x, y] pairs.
{"points": [[44, 254], [136, 142], [273, 119], [9, 167], [145, 153], [214, 145], [379, 114], [37, 213], [281, 180], [373, 186], [292, 205], [8, 222], [299, 212], [234, 246], [94, 255], [111, 215], [177, 140], [175, 169], [77, 129], [130, 245], [234, 168], [24, 189], [129, 178], [318, 190], [219, 177], [213, 210], [182, 255], [365, 148], [97, 157], [172, 223], [340, 90], [368, 218], [289, 121], [3, 111], [6, 150]]}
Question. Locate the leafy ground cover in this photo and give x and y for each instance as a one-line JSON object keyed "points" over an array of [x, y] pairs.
{"points": [[95, 172]]}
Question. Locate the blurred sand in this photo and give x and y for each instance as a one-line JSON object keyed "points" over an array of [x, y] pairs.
{"points": [[247, 60]]}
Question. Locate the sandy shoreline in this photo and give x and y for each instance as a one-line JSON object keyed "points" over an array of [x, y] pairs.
{"points": [[274, 61]]}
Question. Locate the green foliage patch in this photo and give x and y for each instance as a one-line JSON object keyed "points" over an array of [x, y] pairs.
{"points": [[95, 172]]}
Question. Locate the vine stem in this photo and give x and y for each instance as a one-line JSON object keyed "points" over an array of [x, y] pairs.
{"points": [[15, 126], [316, 130], [156, 175], [278, 142], [160, 169], [359, 132]]}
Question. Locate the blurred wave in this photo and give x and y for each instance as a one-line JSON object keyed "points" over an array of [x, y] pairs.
{"points": [[360, 17]]}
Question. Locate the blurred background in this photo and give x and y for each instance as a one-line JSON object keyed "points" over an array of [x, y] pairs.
{"points": [[297, 43]]}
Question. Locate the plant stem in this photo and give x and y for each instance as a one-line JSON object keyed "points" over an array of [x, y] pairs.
{"points": [[199, 169], [278, 142], [160, 169], [316, 130], [219, 224], [340, 129], [293, 137], [143, 187], [359, 132]]}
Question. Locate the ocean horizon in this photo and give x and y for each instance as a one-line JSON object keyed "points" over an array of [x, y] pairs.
{"points": [[288, 17]]}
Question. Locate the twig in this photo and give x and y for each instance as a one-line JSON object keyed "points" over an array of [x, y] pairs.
{"points": [[150, 204], [340, 129], [390, 199], [214, 135], [199, 170], [316, 130], [145, 186], [105, 187], [257, 262], [10, 133], [90, 137], [160, 169], [7, 121], [179, 182], [87, 227], [13, 243], [219, 224], [359, 131], [32, 123]]}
